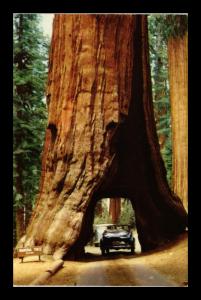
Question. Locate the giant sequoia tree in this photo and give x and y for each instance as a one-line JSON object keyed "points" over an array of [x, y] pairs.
{"points": [[178, 77], [101, 138], [173, 31]]}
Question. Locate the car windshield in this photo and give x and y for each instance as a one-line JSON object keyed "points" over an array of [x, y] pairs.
{"points": [[118, 227]]}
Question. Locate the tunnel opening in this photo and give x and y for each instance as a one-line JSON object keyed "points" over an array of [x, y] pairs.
{"points": [[102, 214], [114, 215]]}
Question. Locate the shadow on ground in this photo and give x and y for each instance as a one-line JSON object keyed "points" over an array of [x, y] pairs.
{"points": [[93, 253]]}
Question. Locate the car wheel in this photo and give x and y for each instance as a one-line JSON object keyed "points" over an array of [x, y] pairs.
{"points": [[132, 249], [103, 251]]}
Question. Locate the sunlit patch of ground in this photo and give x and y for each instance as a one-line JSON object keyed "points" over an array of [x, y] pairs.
{"points": [[24, 273]]}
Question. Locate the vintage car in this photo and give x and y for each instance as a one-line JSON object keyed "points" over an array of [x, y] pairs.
{"points": [[117, 237]]}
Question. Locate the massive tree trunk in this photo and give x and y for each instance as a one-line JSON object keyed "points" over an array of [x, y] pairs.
{"points": [[178, 77], [101, 139]]}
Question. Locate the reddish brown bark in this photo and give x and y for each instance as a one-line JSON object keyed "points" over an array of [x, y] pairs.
{"points": [[103, 137], [115, 209], [178, 77]]}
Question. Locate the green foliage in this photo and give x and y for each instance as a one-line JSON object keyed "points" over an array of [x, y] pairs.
{"points": [[104, 217], [171, 25], [167, 157], [160, 85], [127, 213], [30, 57]]}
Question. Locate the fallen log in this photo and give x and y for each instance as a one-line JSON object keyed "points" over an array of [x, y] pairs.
{"points": [[48, 273]]}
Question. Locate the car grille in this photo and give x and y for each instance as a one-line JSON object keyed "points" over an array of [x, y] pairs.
{"points": [[118, 243]]}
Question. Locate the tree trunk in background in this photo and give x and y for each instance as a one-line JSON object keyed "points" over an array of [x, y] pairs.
{"points": [[28, 212], [99, 209], [19, 213], [178, 77], [101, 139], [19, 223], [115, 209]]}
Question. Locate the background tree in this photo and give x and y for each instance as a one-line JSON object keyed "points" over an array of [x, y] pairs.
{"points": [[178, 76], [103, 217], [29, 113], [115, 209], [173, 32], [160, 90], [127, 213]]}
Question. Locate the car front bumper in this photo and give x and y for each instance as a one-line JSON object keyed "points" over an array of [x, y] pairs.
{"points": [[118, 245]]}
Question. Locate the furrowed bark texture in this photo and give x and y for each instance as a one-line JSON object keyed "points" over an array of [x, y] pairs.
{"points": [[101, 139], [178, 77]]}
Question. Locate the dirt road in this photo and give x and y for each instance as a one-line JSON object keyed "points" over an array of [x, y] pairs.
{"points": [[168, 266], [120, 272]]}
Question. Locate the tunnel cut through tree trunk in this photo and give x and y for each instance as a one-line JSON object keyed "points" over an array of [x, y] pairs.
{"points": [[101, 138]]}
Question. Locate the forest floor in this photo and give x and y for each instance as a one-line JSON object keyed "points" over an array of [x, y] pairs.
{"points": [[168, 266]]}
